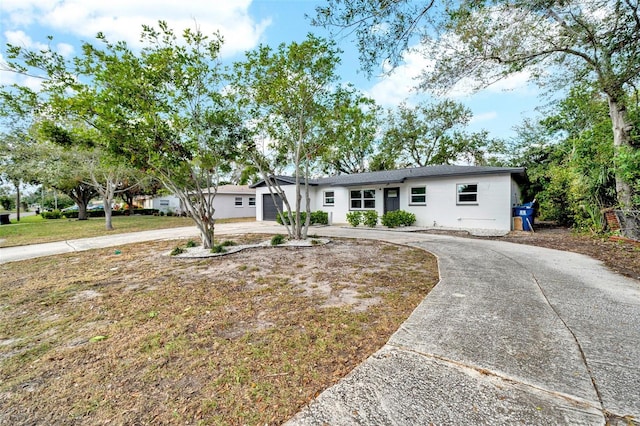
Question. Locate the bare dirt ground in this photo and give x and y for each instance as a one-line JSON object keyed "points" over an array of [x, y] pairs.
{"points": [[133, 336]]}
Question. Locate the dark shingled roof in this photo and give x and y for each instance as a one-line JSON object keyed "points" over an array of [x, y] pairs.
{"points": [[401, 175]]}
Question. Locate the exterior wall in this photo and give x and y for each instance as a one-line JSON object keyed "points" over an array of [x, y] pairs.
{"points": [[226, 208], [290, 193], [163, 204], [223, 203], [496, 196]]}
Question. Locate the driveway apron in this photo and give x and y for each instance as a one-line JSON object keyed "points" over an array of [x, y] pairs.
{"points": [[511, 334]]}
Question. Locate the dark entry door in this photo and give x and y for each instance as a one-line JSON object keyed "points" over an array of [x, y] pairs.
{"points": [[269, 211], [391, 199]]}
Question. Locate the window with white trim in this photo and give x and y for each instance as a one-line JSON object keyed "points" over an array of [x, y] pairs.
{"points": [[362, 199], [467, 193], [329, 198], [252, 201], [238, 202], [418, 196]]}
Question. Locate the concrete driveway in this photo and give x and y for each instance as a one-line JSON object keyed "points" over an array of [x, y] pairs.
{"points": [[512, 334]]}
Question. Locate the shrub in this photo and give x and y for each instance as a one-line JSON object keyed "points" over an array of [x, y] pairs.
{"points": [[277, 239], [319, 218], [176, 251], [303, 217], [228, 243], [55, 214], [370, 218], [191, 243], [398, 218], [218, 248], [100, 213], [354, 218]]}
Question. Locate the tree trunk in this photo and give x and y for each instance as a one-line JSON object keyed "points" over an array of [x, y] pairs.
{"points": [[17, 184], [621, 138], [108, 223], [81, 194]]}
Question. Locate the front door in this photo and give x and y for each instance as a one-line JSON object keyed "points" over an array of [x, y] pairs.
{"points": [[391, 199]]}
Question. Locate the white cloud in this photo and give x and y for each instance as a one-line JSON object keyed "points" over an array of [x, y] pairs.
{"points": [[123, 19], [19, 38], [483, 117], [400, 84], [65, 49]]}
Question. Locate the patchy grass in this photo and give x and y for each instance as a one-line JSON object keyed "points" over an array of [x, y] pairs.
{"points": [[34, 229], [144, 338]]}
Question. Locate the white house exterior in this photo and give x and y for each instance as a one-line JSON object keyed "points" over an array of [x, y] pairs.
{"points": [[451, 197], [163, 203], [231, 201], [235, 201]]}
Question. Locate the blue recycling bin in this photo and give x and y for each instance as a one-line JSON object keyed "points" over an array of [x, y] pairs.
{"points": [[525, 212]]}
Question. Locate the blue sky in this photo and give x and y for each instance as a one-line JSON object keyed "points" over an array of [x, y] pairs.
{"points": [[244, 24]]}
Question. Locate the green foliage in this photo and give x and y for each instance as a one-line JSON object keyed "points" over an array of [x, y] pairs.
{"points": [[351, 126], [54, 214], [319, 218], [177, 250], [370, 218], [191, 244], [218, 249], [397, 218], [592, 220], [426, 134], [7, 202], [100, 213], [628, 163], [228, 243], [303, 217], [278, 239], [569, 158], [287, 94], [354, 218]]}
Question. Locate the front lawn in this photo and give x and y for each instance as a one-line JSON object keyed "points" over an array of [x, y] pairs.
{"points": [[35, 229], [139, 337]]}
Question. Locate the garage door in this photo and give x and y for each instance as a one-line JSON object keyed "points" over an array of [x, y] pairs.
{"points": [[269, 211]]}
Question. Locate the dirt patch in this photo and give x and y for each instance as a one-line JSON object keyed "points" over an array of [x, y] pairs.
{"points": [[142, 338]]}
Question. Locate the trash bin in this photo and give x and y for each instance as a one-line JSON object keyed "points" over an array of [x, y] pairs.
{"points": [[525, 212], [4, 219]]}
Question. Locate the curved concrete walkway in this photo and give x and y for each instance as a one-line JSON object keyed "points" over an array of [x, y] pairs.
{"points": [[511, 334]]}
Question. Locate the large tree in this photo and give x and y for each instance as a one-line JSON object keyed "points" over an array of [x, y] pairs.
{"points": [[429, 133], [159, 109], [593, 41], [286, 94], [350, 132], [17, 162]]}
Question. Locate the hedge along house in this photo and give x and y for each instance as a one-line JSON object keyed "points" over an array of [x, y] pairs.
{"points": [[470, 198]]}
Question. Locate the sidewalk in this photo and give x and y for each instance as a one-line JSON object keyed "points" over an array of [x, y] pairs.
{"points": [[511, 334]]}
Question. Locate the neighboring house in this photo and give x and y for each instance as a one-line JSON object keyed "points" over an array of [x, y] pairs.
{"points": [[231, 201], [451, 197], [235, 201], [164, 203]]}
